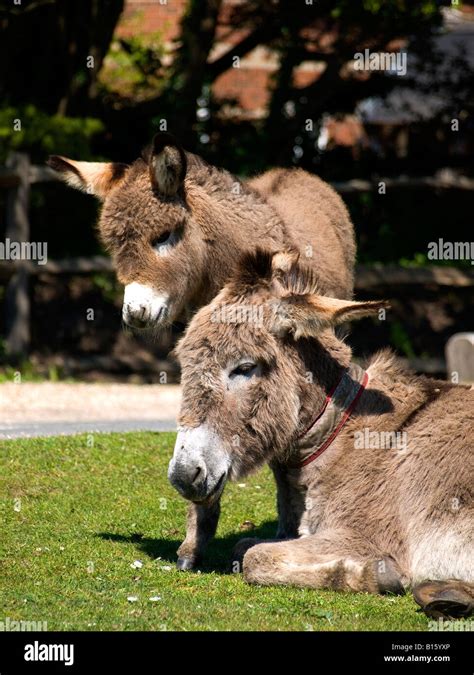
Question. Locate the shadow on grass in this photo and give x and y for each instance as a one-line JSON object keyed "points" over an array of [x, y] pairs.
{"points": [[218, 553]]}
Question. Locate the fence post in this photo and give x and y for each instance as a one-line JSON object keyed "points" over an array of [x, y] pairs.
{"points": [[17, 298], [460, 357]]}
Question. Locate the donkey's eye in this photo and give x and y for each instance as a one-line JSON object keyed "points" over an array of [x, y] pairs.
{"points": [[162, 239], [245, 369]]}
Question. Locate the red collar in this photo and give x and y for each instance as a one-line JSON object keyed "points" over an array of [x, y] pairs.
{"points": [[337, 408]]}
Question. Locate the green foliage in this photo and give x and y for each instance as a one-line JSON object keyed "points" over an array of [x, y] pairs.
{"points": [[78, 511], [417, 260], [389, 9], [111, 289], [133, 68], [29, 372], [42, 134], [400, 339]]}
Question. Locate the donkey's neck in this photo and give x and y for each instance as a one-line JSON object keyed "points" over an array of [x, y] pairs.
{"points": [[323, 364], [383, 397]]}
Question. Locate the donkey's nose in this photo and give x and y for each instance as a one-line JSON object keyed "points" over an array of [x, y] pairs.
{"points": [[188, 476], [134, 316], [144, 306]]}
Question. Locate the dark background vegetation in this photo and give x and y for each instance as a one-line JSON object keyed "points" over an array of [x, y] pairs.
{"points": [[112, 110]]}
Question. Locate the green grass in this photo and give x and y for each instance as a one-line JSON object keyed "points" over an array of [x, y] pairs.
{"points": [[75, 516], [27, 371]]}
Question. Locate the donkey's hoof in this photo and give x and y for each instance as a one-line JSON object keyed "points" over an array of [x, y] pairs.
{"points": [[186, 564], [440, 599]]}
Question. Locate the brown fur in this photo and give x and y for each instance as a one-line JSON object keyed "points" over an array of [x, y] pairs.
{"points": [[216, 218], [369, 519]]}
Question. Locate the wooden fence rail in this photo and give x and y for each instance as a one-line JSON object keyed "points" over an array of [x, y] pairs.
{"points": [[367, 278], [19, 174]]}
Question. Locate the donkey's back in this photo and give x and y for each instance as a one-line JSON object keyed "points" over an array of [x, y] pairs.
{"points": [[317, 222]]}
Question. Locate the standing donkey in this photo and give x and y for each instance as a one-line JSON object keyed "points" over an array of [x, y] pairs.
{"points": [[176, 227], [368, 517]]}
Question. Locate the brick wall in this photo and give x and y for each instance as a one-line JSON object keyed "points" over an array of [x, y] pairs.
{"points": [[248, 86], [151, 16]]}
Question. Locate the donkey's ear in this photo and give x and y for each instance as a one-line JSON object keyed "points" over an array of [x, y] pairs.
{"points": [[167, 164], [95, 178], [308, 315]]}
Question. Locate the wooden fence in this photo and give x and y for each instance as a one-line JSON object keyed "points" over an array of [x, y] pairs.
{"points": [[19, 174]]}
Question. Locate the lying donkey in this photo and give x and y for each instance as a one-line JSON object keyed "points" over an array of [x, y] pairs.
{"points": [[281, 385], [176, 226]]}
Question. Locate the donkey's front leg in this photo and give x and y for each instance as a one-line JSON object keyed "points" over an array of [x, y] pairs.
{"points": [[310, 562], [290, 503], [201, 525]]}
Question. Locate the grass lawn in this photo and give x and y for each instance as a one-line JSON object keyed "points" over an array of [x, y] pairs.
{"points": [[77, 512]]}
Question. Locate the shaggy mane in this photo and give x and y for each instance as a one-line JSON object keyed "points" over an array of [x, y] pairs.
{"points": [[299, 279], [254, 268], [258, 268]]}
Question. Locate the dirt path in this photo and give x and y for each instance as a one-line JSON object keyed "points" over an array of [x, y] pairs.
{"points": [[47, 408]]}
